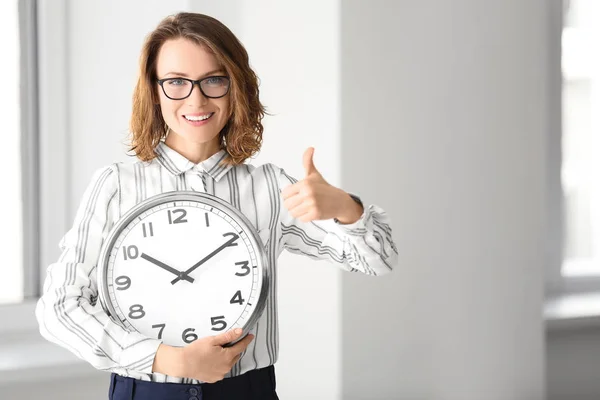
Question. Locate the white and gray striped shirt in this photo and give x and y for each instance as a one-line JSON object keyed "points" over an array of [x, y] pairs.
{"points": [[70, 315]]}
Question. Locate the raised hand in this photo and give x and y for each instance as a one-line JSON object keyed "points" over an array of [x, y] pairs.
{"points": [[313, 198], [229, 243], [180, 274]]}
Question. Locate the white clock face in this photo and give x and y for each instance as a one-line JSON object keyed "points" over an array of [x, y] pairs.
{"points": [[183, 270]]}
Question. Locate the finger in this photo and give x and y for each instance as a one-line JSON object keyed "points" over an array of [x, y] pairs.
{"points": [[293, 202], [308, 217], [235, 359], [227, 337], [291, 190], [241, 345], [300, 210], [307, 161]]}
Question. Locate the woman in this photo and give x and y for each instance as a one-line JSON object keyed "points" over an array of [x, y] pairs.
{"points": [[196, 120]]}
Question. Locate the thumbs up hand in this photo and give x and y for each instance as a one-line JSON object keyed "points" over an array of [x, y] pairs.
{"points": [[312, 198]]}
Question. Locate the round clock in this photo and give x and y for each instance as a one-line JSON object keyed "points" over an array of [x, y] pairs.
{"points": [[183, 265]]}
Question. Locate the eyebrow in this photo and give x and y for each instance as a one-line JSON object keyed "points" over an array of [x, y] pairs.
{"points": [[187, 76]]}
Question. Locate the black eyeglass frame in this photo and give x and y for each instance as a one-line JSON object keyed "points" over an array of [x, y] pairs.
{"points": [[195, 82]]}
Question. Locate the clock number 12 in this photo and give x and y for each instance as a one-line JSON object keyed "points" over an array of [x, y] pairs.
{"points": [[180, 219]]}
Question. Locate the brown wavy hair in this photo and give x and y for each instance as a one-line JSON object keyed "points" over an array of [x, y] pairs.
{"points": [[241, 137]]}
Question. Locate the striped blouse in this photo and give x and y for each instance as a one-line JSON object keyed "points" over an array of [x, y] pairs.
{"points": [[69, 314]]}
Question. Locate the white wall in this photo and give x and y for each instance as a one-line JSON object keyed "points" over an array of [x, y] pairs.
{"points": [[443, 119], [104, 43]]}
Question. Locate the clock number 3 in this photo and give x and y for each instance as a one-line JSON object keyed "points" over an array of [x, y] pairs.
{"points": [[180, 219], [245, 267]]}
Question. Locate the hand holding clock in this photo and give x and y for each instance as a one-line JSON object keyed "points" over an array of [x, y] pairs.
{"points": [[204, 359], [313, 198]]}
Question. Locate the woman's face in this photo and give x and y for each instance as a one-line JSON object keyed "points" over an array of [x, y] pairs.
{"points": [[182, 58]]}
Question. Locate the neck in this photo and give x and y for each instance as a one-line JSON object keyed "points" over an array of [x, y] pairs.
{"points": [[195, 152]]}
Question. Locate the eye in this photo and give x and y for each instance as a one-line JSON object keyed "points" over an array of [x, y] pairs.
{"points": [[215, 81], [177, 82]]}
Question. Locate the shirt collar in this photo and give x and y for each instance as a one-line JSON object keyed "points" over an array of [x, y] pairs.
{"points": [[177, 164]]}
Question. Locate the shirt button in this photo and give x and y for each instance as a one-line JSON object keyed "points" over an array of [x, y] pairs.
{"points": [[193, 392]]}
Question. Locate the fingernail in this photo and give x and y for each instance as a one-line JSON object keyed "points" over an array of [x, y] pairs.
{"points": [[237, 331]]}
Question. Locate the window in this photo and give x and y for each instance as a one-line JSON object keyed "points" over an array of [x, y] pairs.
{"points": [[11, 284], [19, 277], [580, 172]]}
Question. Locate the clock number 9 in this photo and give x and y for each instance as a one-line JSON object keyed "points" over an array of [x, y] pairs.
{"points": [[188, 336], [136, 311], [218, 321], [124, 282]]}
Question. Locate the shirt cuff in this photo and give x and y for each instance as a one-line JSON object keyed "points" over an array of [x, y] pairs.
{"points": [[140, 356], [359, 227]]}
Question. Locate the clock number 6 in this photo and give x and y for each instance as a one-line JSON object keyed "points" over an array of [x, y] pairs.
{"points": [[188, 336], [218, 323]]}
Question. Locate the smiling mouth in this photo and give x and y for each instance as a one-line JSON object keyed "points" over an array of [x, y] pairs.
{"points": [[198, 118]]}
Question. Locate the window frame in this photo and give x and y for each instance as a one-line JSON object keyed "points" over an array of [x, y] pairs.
{"points": [[45, 150], [556, 283], [27, 11]]}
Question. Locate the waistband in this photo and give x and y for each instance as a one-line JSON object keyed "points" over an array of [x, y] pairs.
{"points": [[254, 384]]}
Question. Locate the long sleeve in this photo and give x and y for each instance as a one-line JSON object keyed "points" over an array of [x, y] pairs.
{"points": [[365, 246], [68, 312]]}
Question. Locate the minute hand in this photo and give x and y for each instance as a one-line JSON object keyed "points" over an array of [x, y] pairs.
{"points": [[228, 243]]}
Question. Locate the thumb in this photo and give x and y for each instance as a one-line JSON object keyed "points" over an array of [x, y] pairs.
{"points": [[307, 160], [227, 337]]}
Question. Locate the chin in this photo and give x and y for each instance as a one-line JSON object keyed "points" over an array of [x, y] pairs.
{"points": [[201, 139]]}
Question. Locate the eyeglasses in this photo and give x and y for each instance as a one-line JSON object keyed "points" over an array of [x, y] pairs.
{"points": [[212, 87]]}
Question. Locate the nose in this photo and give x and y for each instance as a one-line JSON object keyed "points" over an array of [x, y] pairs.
{"points": [[197, 96]]}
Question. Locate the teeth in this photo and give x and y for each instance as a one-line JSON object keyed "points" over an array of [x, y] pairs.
{"points": [[197, 117]]}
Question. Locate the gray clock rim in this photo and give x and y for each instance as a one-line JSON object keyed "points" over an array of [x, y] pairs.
{"points": [[174, 196]]}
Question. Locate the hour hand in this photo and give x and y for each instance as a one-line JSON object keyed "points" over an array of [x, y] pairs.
{"points": [[180, 274]]}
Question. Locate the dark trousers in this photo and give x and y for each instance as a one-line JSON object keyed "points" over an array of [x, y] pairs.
{"points": [[257, 384]]}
